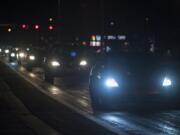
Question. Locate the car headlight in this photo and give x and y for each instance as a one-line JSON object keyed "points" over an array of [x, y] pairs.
{"points": [[111, 83], [83, 63], [0, 50], [13, 55], [55, 63], [6, 51], [21, 55], [167, 82], [32, 57]]}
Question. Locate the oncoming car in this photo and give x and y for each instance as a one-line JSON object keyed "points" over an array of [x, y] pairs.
{"points": [[35, 58], [64, 61], [129, 79]]}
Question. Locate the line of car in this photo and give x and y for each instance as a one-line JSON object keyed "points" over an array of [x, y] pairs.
{"points": [[122, 79]]}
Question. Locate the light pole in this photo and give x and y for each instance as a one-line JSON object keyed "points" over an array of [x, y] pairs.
{"points": [[59, 19], [102, 25]]}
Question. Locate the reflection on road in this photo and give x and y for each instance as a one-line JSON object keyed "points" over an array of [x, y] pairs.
{"points": [[156, 123]]}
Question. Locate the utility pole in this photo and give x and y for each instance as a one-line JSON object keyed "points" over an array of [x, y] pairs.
{"points": [[102, 25], [59, 20]]}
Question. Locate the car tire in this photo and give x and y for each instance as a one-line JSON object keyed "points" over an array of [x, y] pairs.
{"points": [[97, 102], [49, 78]]}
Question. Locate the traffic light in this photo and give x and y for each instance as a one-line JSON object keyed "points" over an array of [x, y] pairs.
{"points": [[50, 27], [24, 26], [37, 27]]}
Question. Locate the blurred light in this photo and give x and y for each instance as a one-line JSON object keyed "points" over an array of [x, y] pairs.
{"points": [[13, 54], [93, 38], [36, 27], [9, 30], [98, 43], [98, 38], [0, 50], [55, 63], [111, 82], [6, 51], [28, 49], [167, 82], [83, 63], [84, 43], [32, 75], [21, 55], [31, 57], [50, 27], [73, 54], [54, 90], [50, 19], [13, 63], [24, 26], [16, 49]]}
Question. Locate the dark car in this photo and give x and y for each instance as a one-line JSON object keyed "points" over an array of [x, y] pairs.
{"points": [[35, 58], [68, 60], [125, 79]]}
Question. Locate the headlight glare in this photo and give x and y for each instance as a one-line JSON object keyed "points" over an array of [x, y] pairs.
{"points": [[32, 57], [13, 54], [167, 82], [111, 83], [83, 63], [55, 63], [21, 55], [6, 51]]}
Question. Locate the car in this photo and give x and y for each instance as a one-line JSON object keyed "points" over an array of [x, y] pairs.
{"points": [[35, 58], [12, 55], [68, 60], [134, 79]]}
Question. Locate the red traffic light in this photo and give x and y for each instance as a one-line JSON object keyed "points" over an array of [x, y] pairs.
{"points": [[36, 27], [50, 27], [24, 26]]}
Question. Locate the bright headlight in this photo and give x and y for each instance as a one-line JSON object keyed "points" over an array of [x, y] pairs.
{"points": [[83, 63], [111, 83], [6, 51], [13, 54], [55, 63], [32, 57], [0, 50], [21, 55], [167, 82]]}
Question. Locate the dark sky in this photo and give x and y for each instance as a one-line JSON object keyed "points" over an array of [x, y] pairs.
{"points": [[14, 11], [84, 16]]}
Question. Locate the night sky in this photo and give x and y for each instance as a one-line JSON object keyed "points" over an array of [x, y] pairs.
{"points": [[83, 17]]}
